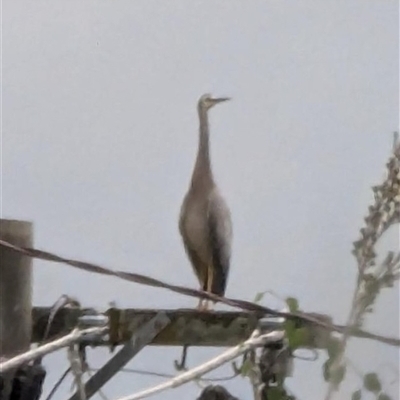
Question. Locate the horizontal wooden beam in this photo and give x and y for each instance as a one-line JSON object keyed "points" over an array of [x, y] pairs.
{"points": [[187, 327]]}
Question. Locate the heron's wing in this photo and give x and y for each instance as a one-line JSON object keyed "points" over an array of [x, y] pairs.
{"points": [[199, 267], [220, 239]]}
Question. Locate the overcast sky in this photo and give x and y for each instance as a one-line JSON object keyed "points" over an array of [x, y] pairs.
{"points": [[100, 134]]}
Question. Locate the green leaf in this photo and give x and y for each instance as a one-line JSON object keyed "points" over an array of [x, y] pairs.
{"points": [[259, 296], [325, 369], [245, 368], [356, 395], [293, 304], [298, 338], [290, 329], [384, 396], [372, 383], [276, 393], [333, 347], [337, 376]]}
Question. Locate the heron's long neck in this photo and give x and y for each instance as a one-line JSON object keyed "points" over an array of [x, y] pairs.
{"points": [[202, 173]]}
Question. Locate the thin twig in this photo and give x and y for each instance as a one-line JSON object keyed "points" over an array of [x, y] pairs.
{"points": [[63, 301], [77, 370], [58, 383], [254, 374]]}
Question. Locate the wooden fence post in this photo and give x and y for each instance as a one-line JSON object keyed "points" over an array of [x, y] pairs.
{"points": [[15, 291]]}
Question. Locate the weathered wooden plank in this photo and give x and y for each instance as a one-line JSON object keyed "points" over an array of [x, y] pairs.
{"points": [[187, 327]]}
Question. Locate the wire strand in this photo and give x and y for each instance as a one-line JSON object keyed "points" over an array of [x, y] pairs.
{"points": [[148, 281]]}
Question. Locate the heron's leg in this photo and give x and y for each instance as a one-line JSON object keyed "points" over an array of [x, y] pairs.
{"points": [[210, 277], [200, 306]]}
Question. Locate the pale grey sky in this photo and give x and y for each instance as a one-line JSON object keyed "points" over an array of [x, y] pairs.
{"points": [[100, 134]]}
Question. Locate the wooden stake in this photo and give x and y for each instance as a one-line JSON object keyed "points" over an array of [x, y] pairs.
{"points": [[15, 291]]}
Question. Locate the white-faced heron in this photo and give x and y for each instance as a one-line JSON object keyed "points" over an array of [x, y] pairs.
{"points": [[205, 222]]}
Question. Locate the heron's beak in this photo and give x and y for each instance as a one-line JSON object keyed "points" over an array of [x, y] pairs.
{"points": [[220, 100]]}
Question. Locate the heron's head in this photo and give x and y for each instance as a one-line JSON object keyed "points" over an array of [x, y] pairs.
{"points": [[207, 101]]}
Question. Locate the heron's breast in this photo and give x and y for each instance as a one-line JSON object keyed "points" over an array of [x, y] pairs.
{"points": [[194, 227]]}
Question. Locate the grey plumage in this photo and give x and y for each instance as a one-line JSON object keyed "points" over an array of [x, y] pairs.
{"points": [[205, 222]]}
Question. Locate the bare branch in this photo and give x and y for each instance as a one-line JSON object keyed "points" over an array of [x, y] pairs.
{"points": [[75, 336], [384, 213]]}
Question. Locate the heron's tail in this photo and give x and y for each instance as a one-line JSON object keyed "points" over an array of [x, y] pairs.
{"points": [[218, 284]]}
